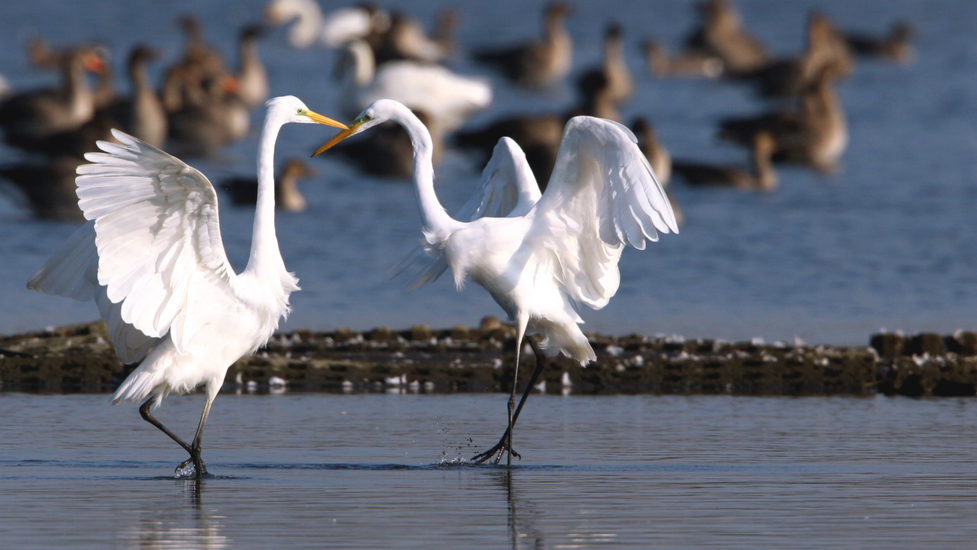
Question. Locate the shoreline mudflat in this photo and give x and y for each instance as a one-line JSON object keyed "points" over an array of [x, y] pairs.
{"points": [[79, 358]]}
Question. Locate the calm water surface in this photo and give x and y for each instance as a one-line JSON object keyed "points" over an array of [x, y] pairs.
{"points": [[376, 471], [887, 242]]}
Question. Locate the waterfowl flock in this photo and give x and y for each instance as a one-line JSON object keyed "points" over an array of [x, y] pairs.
{"points": [[561, 194], [204, 103]]}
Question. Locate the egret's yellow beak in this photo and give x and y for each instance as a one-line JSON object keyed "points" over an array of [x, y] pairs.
{"points": [[322, 120], [339, 137]]}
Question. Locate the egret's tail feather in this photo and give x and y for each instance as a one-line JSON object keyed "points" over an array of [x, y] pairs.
{"points": [[572, 343], [139, 386]]}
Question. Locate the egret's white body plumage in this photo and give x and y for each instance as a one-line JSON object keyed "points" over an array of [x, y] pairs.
{"points": [[153, 259], [447, 97], [540, 254]]}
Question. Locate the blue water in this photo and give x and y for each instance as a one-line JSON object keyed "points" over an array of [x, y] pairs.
{"points": [[886, 243], [374, 471]]}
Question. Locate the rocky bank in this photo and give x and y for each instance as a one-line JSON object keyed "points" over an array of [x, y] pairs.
{"points": [[80, 358]]}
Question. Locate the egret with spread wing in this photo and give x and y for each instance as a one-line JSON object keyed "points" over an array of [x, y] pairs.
{"points": [[538, 255], [152, 258]]}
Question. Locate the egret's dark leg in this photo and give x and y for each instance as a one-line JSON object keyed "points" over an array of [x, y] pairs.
{"points": [[148, 417], [505, 443], [200, 469]]}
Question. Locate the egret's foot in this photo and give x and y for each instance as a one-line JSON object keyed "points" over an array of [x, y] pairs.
{"points": [[498, 451], [192, 467]]}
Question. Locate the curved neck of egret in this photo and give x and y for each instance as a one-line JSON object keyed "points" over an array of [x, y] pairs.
{"points": [[364, 63], [437, 223], [264, 241]]}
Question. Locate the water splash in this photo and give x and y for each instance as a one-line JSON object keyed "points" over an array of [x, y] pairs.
{"points": [[187, 471]]}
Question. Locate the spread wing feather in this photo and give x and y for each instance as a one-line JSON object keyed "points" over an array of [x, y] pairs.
{"points": [[602, 195], [157, 234], [72, 272]]}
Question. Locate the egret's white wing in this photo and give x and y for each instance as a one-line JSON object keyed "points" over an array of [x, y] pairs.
{"points": [[158, 235], [72, 272], [507, 188], [602, 195]]}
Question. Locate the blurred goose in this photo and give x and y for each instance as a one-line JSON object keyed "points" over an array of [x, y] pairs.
{"points": [[619, 80], [788, 77], [40, 54], [597, 97], [187, 83], [762, 178], [659, 159], [722, 35], [202, 130], [897, 45], [540, 63], [196, 51], [387, 151], [142, 115], [691, 63], [183, 88], [614, 70], [252, 77], [244, 191], [656, 153], [448, 98], [308, 26], [145, 117], [816, 134], [406, 39], [47, 187], [32, 116], [539, 136]]}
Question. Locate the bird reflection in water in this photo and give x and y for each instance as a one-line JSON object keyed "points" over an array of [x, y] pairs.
{"points": [[190, 526], [522, 516]]}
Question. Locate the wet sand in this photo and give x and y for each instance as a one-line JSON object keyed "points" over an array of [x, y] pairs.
{"points": [[79, 358]]}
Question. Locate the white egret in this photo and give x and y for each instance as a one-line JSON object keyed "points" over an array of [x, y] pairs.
{"points": [[538, 255], [153, 259], [447, 97], [310, 26]]}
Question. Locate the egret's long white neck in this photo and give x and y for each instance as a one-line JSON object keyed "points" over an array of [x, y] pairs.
{"points": [[265, 254], [364, 63], [437, 223]]}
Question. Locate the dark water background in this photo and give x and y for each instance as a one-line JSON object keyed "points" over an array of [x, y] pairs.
{"points": [[375, 471], [886, 243]]}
